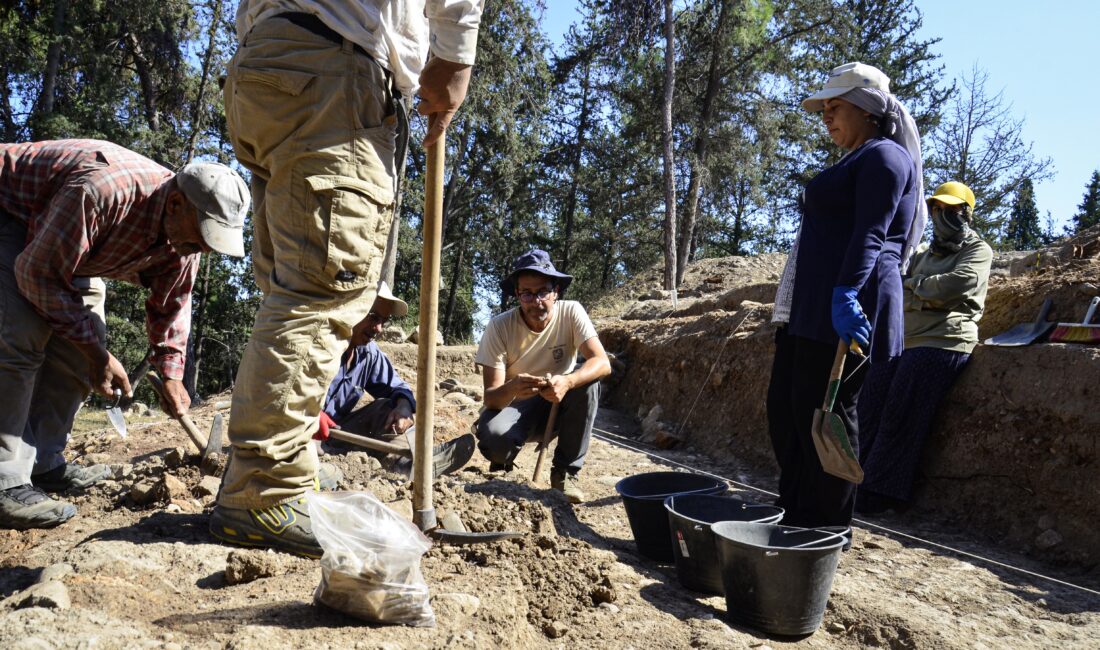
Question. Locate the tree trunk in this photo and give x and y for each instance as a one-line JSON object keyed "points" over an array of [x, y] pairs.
{"points": [[195, 340], [211, 47], [145, 78], [669, 159], [456, 269], [574, 185], [53, 62], [702, 146], [389, 259]]}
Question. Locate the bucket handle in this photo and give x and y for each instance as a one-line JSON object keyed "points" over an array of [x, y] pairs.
{"points": [[816, 541]]}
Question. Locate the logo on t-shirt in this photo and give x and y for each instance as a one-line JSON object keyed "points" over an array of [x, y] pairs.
{"points": [[558, 352]]}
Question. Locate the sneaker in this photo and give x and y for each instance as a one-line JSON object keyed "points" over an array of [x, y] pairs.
{"points": [[566, 483], [71, 476], [284, 527], [27, 506], [329, 477], [501, 468], [447, 458]]}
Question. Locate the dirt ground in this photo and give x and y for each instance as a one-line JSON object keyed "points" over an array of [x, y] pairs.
{"points": [[139, 570]]}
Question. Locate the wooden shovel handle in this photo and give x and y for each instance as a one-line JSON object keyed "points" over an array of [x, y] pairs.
{"points": [[545, 440], [185, 421], [834, 376]]}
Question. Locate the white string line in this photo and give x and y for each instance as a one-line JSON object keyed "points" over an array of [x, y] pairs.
{"points": [[717, 358], [859, 521]]}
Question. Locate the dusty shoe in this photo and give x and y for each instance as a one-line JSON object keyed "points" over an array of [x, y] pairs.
{"points": [[501, 468], [71, 476], [447, 458], [285, 527], [329, 477], [567, 484], [26, 506]]}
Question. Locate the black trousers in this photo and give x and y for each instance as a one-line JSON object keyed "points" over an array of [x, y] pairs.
{"points": [[800, 375]]}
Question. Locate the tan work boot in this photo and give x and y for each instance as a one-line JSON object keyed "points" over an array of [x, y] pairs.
{"points": [[566, 483]]}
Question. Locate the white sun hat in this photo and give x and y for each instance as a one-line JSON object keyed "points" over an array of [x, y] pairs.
{"points": [[844, 78]]}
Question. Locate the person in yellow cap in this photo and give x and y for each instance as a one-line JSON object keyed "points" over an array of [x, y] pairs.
{"points": [[944, 295]]}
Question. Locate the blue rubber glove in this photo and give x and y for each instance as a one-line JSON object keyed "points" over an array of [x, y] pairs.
{"points": [[848, 319]]}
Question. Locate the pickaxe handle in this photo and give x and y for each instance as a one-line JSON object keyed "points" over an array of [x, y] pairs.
{"points": [[197, 437]]}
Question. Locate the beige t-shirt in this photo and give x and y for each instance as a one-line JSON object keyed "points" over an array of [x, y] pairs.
{"points": [[509, 344]]}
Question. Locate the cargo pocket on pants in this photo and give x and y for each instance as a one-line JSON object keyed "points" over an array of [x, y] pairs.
{"points": [[351, 216]]}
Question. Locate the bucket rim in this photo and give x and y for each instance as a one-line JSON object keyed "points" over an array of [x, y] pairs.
{"points": [[744, 504], [835, 544], [718, 483]]}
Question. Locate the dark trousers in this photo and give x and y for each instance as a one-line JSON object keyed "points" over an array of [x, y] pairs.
{"points": [[913, 385], [502, 434], [800, 375]]}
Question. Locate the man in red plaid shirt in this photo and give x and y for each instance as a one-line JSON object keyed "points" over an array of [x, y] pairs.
{"points": [[73, 212]]}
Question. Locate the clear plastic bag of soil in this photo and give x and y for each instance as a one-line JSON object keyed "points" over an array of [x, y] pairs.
{"points": [[371, 565]]}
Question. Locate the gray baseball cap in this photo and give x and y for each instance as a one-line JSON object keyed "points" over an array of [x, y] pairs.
{"points": [[222, 199]]}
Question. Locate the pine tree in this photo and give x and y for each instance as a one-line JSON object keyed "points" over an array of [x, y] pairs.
{"points": [[1088, 212], [1022, 231]]}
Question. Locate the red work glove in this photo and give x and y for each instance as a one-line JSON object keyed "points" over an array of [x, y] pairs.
{"points": [[326, 424]]}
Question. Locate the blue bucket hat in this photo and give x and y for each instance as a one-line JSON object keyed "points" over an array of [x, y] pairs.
{"points": [[538, 261]]}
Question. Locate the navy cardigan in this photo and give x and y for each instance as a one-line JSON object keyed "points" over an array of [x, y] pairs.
{"points": [[856, 217]]}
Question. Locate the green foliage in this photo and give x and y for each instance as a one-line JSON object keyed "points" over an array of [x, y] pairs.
{"points": [[1088, 210], [1023, 232], [557, 148]]}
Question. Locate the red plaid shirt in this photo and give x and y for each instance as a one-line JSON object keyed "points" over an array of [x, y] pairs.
{"points": [[94, 209]]}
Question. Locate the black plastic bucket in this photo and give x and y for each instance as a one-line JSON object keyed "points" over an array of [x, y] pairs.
{"points": [[689, 520], [777, 578], [644, 497]]}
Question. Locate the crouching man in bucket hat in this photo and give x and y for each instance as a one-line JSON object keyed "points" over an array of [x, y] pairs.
{"points": [[528, 356]]}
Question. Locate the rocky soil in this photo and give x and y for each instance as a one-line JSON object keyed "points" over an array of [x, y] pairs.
{"points": [[1014, 457]]}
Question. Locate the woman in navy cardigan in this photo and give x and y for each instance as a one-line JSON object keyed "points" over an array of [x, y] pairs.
{"points": [[861, 219]]}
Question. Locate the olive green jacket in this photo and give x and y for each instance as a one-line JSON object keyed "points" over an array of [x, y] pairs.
{"points": [[945, 296]]}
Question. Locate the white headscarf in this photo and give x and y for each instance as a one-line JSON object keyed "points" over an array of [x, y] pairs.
{"points": [[898, 125]]}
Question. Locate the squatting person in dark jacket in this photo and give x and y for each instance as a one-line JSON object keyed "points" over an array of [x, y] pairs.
{"points": [[860, 219], [365, 369], [944, 299]]}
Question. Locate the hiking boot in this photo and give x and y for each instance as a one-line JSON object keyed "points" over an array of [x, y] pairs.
{"points": [[328, 477], [566, 483], [284, 527], [447, 458], [26, 506], [71, 476]]}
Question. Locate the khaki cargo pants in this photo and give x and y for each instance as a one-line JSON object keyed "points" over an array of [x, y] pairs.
{"points": [[43, 376], [313, 120]]}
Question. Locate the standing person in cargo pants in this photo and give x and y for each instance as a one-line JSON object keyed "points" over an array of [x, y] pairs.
{"points": [[312, 106]]}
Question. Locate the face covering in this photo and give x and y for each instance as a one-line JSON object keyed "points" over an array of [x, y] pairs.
{"points": [[949, 228]]}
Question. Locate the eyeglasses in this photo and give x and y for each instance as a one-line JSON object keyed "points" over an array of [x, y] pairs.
{"points": [[528, 296], [378, 319]]}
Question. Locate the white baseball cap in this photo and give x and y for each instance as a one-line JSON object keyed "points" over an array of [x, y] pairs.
{"points": [[844, 78], [222, 199]]}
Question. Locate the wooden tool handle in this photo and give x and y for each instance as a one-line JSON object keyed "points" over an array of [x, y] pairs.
{"points": [[545, 441], [834, 376], [369, 443], [185, 421]]}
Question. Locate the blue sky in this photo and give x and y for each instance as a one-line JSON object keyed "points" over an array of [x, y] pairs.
{"points": [[1042, 55]]}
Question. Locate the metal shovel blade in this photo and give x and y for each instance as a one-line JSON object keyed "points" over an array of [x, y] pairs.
{"points": [[834, 449], [114, 414], [214, 440], [1025, 333]]}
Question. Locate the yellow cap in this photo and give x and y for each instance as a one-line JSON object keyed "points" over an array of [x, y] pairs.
{"points": [[953, 193]]}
